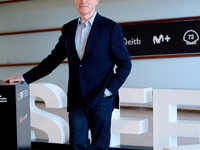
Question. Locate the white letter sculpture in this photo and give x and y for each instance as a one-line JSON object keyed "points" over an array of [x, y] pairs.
{"points": [[165, 125], [56, 128], [130, 125]]}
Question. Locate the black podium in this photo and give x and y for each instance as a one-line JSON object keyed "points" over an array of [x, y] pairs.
{"points": [[15, 131]]}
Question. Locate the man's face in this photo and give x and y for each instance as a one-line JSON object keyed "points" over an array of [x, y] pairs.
{"points": [[86, 7]]}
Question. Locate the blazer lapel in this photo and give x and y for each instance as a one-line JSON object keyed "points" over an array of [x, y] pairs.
{"points": [[94, 33], [72, 36]]}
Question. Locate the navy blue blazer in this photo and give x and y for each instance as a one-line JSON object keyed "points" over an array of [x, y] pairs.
{"points": [[105, 48]]}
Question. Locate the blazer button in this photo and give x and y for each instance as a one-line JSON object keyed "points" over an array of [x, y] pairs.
{"points": [[80, 65]]}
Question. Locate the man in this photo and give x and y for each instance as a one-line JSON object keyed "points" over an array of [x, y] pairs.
{"points": [[93, 45]]}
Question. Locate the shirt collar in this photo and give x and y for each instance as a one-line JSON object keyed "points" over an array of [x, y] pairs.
{"points": [[89, 21]]}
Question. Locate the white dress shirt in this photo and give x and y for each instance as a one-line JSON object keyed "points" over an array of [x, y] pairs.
{"points": [[82, 33]]}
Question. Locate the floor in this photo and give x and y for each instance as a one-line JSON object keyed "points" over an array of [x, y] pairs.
{"points": [[132, 112]]}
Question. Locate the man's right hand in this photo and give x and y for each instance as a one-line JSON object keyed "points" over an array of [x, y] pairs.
{"points": [[13, 79]]}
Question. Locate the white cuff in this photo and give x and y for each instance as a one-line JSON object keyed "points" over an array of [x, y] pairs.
{"points": [[107, 92], [22, 78]]}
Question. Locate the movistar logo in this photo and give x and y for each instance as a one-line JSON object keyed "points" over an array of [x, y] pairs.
{"points": [[161, 38]]}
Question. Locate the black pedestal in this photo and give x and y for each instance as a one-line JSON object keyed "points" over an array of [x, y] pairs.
{"points": [[15, 131]]}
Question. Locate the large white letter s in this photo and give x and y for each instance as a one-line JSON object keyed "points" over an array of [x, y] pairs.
{"points": [[56, 128]]}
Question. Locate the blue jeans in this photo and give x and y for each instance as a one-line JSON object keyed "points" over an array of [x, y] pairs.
{"points": [[98, 120]]}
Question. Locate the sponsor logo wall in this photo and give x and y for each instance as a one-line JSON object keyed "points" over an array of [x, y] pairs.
{"points": [[178, 37]]}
